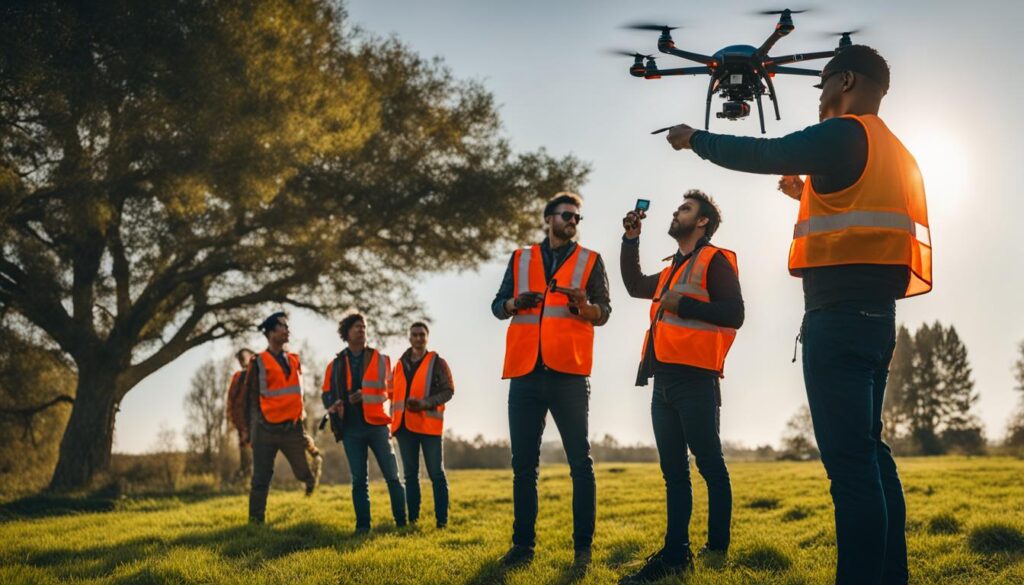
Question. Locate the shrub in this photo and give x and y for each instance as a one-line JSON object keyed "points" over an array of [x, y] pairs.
{"points": [[996, 537]]}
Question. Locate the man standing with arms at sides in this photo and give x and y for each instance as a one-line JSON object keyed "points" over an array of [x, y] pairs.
{"points": [[274, 390], [356, 387], [548, 357], [423, 384], [236, 413], [861, 241], [697, 308]]}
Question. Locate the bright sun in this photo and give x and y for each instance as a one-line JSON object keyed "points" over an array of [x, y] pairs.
{"points": [[943, 164]]}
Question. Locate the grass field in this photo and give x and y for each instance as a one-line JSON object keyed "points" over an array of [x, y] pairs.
{"points": [[965, 525]]}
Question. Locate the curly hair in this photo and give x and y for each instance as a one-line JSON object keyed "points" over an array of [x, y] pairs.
{"points": [[708, 209], [346, 323]]}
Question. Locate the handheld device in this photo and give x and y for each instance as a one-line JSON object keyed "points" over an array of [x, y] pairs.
{"points": [[643, 204]]}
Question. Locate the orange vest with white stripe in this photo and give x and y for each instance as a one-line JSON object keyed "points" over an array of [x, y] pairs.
{"points": [[280, 395], [376, 388], [880, 219], [427, 422], [688, 341], [564, 341]]}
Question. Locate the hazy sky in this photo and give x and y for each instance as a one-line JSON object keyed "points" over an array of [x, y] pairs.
{"points": [[954, 101]]}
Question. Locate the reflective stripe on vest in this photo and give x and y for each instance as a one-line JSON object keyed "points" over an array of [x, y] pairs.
{"points": [[280, 395], [563, 340], [419, 388], [881, 219], [686, 341]]}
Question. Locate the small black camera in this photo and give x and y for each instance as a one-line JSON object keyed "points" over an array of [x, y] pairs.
{"points": [[734, 110]]}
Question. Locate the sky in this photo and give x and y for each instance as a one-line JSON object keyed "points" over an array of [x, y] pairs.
{"points": [[953, 101]]}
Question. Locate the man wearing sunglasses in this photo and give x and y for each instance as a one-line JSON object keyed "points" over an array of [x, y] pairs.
{"points": [[554, 293], [861, 241]]}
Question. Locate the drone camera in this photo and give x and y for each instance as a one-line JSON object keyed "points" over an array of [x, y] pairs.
{"points": [[734, 110]]}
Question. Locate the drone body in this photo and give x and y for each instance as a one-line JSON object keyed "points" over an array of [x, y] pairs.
{"points": [[739, 74]]}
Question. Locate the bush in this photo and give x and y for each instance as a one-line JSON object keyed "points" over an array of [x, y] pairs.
{"points": [[996, 537], [762, 556], [944, 523], [764, 503]]}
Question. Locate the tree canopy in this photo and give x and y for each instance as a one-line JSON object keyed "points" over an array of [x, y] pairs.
{"points": [[169, 168]]}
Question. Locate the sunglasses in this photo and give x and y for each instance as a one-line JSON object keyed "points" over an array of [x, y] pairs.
{"points": [[567, 215], [824, 78]]}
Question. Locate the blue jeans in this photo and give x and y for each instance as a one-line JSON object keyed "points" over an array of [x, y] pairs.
{"points": [[358, 441], [567, 397], [409, 444], [846, 354], [685, 414]]}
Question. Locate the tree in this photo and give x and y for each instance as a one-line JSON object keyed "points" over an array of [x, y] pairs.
{"points": [[962, 430], [205, 406], [37, 387], [895, 414], [798, 439], [930, 394], [169, 169], [1015, 426]]}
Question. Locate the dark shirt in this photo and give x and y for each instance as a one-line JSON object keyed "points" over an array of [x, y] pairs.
{"points": [[353, 413], [596, 286], [282, 359], [834, 154], [442, 386], [725, 307]]}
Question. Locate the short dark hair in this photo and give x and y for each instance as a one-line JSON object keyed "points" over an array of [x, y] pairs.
{"points": [[419, 324], [860, 59], [271, 322], [708, 209], [238, 354], [559, 199], [345, 324]]}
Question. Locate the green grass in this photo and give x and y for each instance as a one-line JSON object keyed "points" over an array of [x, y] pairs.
{"points": [[965, 525]]}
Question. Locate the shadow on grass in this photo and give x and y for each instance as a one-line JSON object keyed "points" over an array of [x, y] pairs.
{"points": [[53, 505], [44, 506], [491, 573], [250, 544]]}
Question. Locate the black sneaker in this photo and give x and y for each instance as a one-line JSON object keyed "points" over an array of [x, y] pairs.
{"points": [[707, 551], [517, 555], [362, 530], [581, 560], [656, 568], [442, 525]]}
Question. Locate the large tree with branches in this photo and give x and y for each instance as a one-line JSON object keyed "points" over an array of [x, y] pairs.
{"points": [[168, 168]]}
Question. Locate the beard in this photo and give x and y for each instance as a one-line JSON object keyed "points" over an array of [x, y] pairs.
{"points": [[566, 232], [678, 230]]}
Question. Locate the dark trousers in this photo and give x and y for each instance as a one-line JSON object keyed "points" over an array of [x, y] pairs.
{"points": [[358, 441], [409, 444], [685, 413], [567, 397], [266, 442], [846, 354]]}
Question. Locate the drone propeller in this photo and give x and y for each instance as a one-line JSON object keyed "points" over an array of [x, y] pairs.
{"points": [[663, 28], [855, 31], [770, 12], [634, 54]]}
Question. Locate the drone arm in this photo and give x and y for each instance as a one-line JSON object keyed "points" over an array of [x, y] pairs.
{"points": [[685, 71], [795, 71], [798, 57], [770, 42], [690, 56]]}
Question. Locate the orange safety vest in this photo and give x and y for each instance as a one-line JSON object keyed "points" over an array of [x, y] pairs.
{"points": [[280, 396], [427, 422], [564, 341], [376, 388], [689, 341], [880, 219]]}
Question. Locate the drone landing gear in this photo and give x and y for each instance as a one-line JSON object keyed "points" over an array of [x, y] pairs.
{"points": [[707, 109], [760, 111]]}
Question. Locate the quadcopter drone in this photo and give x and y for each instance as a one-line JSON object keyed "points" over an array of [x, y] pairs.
{"points": [[737, 71]]}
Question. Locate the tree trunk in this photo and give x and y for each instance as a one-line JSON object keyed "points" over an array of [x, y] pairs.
{"points": [[85, 448]]}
